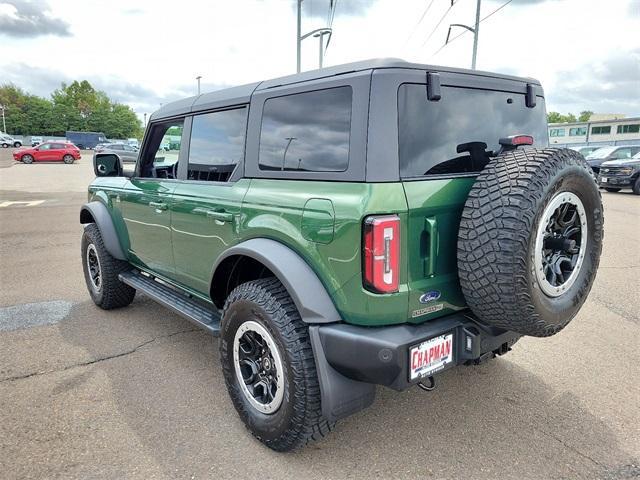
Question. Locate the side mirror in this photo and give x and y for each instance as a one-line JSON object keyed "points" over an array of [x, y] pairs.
{"points": [[109, 165]]}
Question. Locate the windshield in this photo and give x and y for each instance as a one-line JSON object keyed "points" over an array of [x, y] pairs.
{"points": [[601, 152], [446, 137]]}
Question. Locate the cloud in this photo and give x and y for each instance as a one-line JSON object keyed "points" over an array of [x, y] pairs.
{"points": [[142, 99], [24, 19], [609, 85]]}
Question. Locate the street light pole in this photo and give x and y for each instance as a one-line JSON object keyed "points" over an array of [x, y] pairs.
{"points": [[198, 79], [320, 36], [472, 30], [476, 31], [4, 125], [298, 36]]}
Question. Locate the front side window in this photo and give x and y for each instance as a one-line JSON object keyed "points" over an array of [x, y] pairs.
{"points": [[577, 132], [601, 130], [217, 144], [460, 133], [160, 159], [44, 146], [307, 132]]}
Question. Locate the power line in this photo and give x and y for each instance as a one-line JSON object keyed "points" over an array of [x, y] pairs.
{"points": [[419, 22], [332, 12], [465, 31], [438, 24]]}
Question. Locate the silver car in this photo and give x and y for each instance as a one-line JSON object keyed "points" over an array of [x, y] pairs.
{"points": [[127, 153]]}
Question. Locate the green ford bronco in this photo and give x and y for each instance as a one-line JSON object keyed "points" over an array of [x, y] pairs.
{"points": [[368, 224]]}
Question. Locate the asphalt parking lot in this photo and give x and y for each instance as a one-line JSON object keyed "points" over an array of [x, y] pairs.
{"points": [[138, 392]]}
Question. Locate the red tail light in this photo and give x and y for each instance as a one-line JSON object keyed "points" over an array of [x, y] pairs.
{"points": [[382, 253]]}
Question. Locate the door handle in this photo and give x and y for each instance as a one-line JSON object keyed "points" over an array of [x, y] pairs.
{"points": [[159, 206], [220, 216], [431, 226]]}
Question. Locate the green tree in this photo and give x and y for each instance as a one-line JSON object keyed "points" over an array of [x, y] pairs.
{"points": [[77, 106], [585, 115], [555, 117]]}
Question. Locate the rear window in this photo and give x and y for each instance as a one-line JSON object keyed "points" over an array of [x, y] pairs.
{"points": [[431, 132], [307, 131]]}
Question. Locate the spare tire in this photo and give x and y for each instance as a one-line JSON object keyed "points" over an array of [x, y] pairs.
{"points": [[530, 240]]}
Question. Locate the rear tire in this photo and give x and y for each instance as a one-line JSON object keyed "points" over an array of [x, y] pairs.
{"points": [[612, 190], [260, 313], [68, 159], [530, 240], [101, 272], [17, 144], [28, 159]]}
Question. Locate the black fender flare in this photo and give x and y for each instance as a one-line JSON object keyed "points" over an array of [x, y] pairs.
{"points": [[340, 396], [96, 212], [302, 283]]}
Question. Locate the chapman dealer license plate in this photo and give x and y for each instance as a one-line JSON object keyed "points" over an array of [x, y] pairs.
{"points": [[431, 356], [604, 179]]}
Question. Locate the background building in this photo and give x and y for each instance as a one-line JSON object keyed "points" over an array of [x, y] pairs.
{"points": [[612, 131]]}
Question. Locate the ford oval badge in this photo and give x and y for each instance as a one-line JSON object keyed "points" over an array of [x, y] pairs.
{"points": [[429, 296]]}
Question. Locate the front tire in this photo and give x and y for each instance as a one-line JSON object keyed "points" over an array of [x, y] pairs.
{"points": [[269, 368], [101, 272], [636, 186], [28, 159]]}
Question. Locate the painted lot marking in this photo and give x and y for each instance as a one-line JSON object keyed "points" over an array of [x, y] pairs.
{"points": [[26, 203]]}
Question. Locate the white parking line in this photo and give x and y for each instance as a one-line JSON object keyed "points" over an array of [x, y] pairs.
{"points": [[26, 203]]}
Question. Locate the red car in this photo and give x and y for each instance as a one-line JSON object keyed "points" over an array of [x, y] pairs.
{"points": [[48, 152]]}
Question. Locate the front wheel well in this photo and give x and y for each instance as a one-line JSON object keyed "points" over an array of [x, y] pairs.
{"points": [[86, 217], [233, 271]]}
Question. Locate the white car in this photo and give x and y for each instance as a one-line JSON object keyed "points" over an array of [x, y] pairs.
{"points": [[7, 141]]}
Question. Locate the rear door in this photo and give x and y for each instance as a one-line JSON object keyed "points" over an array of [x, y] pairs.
{"points": [[438, 168], [205, 213]]}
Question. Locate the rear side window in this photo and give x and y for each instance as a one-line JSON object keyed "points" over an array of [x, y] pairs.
{"points": [[217, 144], [307, 132], [432, 135]]}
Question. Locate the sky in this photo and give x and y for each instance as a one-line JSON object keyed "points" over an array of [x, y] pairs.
{"points": [[145, 53]]}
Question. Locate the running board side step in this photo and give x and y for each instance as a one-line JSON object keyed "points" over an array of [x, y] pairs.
{"points": [[174, 300]]}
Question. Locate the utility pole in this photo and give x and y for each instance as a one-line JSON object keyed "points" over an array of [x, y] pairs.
{"points": [[298, 36], [198, 79], [4, 125], [474, 30]]}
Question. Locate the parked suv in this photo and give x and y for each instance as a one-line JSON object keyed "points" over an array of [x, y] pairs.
{"points": [[604, 154], [7, 141], [368, 224], [125, 152], [48, 152], [618, 174]]}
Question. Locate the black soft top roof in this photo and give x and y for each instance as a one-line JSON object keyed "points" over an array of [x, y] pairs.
{"points": [[242, 94]]}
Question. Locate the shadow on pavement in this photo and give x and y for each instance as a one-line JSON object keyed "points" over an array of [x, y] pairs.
{"points": [[495, 420]]}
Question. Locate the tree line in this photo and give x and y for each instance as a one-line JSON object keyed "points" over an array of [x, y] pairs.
{"points": [[76, 106], [555, 117]]}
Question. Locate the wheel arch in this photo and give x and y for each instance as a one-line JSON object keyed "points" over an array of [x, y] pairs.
{"points": [[260, 257], [96, 212]]}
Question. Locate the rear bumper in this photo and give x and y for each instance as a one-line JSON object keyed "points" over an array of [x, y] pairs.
{"points": [[380, 355]]}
